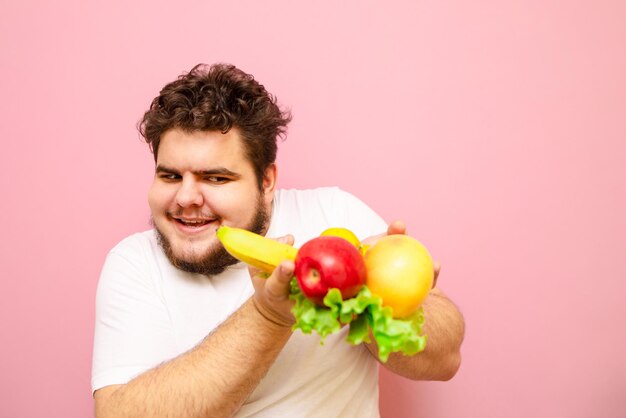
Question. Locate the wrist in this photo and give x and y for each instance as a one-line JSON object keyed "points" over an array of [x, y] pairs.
{"points": [[272, 321]]}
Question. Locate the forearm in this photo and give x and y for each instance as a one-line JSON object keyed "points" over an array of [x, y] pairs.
{"points": [[441, 358], [213, 379]]}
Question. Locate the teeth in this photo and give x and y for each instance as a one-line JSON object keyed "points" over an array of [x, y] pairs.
{"points": [[193, 222]]}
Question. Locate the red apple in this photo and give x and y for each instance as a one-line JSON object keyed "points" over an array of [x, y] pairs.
{"points": [[328, 262]]}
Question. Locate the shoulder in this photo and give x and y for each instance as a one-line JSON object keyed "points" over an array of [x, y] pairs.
{"points": [[140, 241], [321, 196], [308, 203], [132, 260], [136, 248], [306, 193], [306, 213]]}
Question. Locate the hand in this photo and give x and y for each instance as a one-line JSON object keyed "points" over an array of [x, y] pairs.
{"points": [[271, 293], [399, 227]]}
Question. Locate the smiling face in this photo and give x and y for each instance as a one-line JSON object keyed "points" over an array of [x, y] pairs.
{"points": [[203, 180]]}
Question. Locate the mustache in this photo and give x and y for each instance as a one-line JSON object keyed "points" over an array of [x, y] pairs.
{"points": [[202, 215]]}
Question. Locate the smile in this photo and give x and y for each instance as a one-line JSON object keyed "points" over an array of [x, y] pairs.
{"points": [[193, 225], [193, 222]]}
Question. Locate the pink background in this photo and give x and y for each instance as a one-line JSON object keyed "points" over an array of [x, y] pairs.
{"points": [[495, 129]]}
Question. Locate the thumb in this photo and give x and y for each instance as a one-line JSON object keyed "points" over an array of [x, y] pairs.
{"points": [[396, 227], [278, 284]]}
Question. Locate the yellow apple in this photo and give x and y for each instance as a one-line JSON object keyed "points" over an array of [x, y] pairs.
{"points": [[343, 233], [400, 271]]}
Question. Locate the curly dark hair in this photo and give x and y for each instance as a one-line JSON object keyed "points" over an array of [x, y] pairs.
{"points": [[219, 97]]}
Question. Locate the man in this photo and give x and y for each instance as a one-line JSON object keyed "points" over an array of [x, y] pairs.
{"points": [[181, 328]]}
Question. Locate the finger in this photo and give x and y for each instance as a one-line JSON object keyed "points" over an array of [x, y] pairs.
{"points": [[437, 269], [285, 239], [396, 227], [372, 240], [257, 274], [278, 284]]}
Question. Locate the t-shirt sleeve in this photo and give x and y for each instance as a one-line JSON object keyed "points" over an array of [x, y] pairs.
{"points": [[357, 216], [133, 330]]}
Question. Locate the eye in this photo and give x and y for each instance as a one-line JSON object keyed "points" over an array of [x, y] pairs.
{"points": [[169, 176], [217, 179]]}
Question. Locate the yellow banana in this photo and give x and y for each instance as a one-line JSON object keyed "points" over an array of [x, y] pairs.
{"points": [[254, 249]]}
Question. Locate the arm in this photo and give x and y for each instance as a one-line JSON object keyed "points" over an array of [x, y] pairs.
{"points": [[441, 358], [445, 328], [215, 377]]}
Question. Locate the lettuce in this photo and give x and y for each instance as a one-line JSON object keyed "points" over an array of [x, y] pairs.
{"points": [[365, 316]]}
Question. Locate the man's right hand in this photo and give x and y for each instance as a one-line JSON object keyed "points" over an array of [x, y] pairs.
{"points": [[271, 297]]}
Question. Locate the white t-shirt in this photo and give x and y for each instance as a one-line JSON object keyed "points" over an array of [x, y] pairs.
{"points": [[148, 312]]}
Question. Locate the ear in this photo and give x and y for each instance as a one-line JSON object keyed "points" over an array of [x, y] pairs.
{"points": [[269, 182]]}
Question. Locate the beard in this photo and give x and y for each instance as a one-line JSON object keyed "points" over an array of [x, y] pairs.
{"points": [[215, 260]]}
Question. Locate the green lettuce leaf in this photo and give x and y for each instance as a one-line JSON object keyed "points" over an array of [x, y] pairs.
{"points": [[366, 318]]}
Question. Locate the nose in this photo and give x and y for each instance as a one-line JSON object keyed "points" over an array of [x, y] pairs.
{"points": [[189, 193]]}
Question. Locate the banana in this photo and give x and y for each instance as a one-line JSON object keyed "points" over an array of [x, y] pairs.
{"points": [[254, 249]]}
